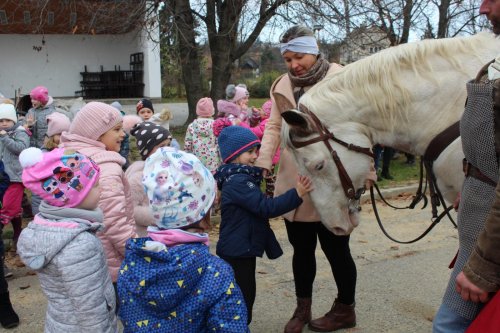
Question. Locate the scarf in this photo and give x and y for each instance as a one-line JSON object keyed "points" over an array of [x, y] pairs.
{"points": [[315, 74], [173, 237], [64, 214], [225, 171]]}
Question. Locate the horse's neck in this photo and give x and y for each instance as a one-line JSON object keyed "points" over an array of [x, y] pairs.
{"points": [[430, 113], [434, 106]]}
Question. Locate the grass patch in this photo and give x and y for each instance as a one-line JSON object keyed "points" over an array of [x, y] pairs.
{"points": [[257, 102], [403, 173]]}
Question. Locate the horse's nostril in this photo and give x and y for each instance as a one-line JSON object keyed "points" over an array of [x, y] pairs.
{"points": [[320, 165]]}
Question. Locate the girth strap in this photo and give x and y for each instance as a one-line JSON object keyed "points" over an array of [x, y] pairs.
{"points": [[441, 141], [434, 149]]}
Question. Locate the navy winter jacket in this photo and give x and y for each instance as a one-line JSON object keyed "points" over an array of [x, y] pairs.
{"points": [[245, 213]]}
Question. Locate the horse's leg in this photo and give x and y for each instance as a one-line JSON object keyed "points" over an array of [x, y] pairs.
{"points": [[448, 170]]}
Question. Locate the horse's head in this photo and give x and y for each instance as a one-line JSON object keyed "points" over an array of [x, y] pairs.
{"points": [[336, 202]]}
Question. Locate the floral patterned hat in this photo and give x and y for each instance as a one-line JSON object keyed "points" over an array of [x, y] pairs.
{"points": [[180, 188]]}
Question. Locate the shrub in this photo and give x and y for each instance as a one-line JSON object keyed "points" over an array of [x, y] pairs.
{"points": [[261, 87]]}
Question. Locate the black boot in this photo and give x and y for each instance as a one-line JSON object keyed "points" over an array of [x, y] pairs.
{"points": [[385, 173], [8, 317]]}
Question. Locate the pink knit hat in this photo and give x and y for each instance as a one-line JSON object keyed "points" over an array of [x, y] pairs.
{"points": [[205, 107], [239, 94], [57, 123], [266, 107], [61, 177], [95, 119], [40, 94], [228, 108]]}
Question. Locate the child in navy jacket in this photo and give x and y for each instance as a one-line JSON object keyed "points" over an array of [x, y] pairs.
{"points": [[245, 232]]}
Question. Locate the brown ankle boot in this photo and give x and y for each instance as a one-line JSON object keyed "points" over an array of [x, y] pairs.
{"points": [[340, 316], [301, 316]]}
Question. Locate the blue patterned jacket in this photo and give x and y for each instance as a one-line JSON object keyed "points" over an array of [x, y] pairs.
{"points": [[181, 289]]}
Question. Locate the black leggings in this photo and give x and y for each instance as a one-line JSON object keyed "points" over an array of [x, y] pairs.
{"points": [[303, 237], [244, 274]]}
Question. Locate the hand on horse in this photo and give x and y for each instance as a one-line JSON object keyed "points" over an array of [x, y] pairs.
{"points": [[456, 203], [469, 291], [304, 185]]}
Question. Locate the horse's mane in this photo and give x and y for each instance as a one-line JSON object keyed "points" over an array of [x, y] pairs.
{"points": [[378, 78]]}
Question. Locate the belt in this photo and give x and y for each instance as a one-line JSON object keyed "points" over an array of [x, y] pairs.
{"points": [[472, 171]]}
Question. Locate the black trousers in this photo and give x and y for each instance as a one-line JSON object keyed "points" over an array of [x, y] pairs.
{"points": [[244, 273], [303, 236], [3, 283]]}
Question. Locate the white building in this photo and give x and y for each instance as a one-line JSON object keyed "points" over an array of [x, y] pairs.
{"points": [[362, 42], [51, 45]]}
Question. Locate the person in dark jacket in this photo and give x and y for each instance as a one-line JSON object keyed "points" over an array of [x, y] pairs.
{"points": [[245, 232]]}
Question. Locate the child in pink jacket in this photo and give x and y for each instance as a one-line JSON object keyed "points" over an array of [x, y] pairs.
{"points": [[96, 132]]}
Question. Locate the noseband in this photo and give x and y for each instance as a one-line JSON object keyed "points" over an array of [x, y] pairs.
{"points": [[325, 135]]}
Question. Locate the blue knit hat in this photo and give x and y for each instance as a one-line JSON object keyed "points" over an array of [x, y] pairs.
{"points": [[234, 141]]}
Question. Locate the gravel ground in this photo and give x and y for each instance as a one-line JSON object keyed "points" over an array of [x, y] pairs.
{"points": [[399, 286]]}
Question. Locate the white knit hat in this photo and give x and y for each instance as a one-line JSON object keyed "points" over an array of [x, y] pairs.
{"points": [[7, 111]]}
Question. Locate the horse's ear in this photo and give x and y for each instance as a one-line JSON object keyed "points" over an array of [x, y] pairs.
{"points": [[295, 118], [282, 103]]}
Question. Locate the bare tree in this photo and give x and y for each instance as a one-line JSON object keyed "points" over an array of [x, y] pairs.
{"points": [[457, 17]]}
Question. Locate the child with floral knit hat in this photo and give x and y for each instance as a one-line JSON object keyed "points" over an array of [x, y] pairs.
{"points": [[245, 232], [169, 281], [60, 244]]}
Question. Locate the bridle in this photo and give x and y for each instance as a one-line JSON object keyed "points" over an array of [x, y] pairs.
{"points": [[324, 135]]}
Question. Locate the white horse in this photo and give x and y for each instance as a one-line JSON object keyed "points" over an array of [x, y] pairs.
{"points": [[401, 97]]}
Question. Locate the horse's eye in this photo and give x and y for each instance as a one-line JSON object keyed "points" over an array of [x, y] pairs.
{"points": [[320, 165]]}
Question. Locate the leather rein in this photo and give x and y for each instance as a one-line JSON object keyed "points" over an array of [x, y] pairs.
{"points": [[325, 136], [434, 149], [436, 146]]}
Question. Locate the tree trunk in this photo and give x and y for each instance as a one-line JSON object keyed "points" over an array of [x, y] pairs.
{"points": [[188, 52], [443, 19]]}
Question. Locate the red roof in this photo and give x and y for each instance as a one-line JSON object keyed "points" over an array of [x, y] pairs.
{"points": [[71, 16]]}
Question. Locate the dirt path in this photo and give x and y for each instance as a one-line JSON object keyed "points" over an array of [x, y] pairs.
{"points": [[399, 286]]}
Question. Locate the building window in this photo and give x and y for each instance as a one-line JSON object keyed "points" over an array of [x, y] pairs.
{"points": [[50, 18], [27, 17], [72, 19], [3, 17]]}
